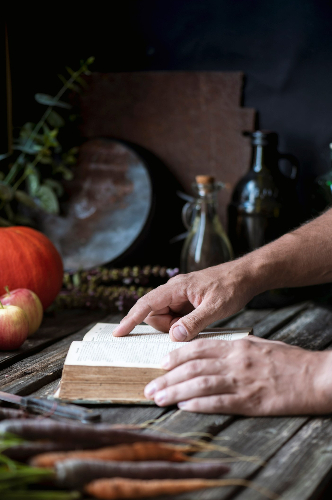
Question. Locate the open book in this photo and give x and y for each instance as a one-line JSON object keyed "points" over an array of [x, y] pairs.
{"points": [[106, 369]]}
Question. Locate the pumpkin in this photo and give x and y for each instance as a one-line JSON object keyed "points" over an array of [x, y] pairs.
{"points": [[30, 260]]}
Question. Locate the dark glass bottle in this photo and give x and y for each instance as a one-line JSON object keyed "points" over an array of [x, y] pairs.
{"points": [[207, 243], [263, 205], [321, 196]]}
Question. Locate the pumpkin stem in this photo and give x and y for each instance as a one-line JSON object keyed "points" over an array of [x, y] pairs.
{"points": [[1, 306], [7, 290]]}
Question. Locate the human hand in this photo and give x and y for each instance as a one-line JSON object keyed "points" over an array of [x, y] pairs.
{"points": [[245, 377], [190, 302]]}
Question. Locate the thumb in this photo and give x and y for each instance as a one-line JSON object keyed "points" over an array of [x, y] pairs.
{"points": [[189, 326]]}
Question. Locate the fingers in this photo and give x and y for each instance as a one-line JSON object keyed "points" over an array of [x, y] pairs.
{"points": [[190, 370], [229, 404], [157, 300], [192, 324], [161, 322], [199, 349], [204, 385]]}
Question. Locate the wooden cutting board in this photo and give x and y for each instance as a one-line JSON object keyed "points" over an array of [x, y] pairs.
{"points": [[192, 121]]}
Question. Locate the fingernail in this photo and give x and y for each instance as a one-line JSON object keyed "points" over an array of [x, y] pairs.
{"points": [[166, 361], [179, 333], [160, 396], [150, 389], [182, 404]]}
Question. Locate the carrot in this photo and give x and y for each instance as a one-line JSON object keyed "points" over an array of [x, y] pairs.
{"points": [[84, 434], [75, 473], [111, 489], [119, 488], [24, 451], [131, 452]]}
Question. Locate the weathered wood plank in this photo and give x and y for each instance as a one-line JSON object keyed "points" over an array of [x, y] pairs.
{"points": [[46, 390], [198, 425], [249, 317], [53, 328], [302, 468], [252, 437], [277, 319], [311, 330]]}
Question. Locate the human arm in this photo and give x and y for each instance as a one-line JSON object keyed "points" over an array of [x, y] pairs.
{"points": [[188, 303]]}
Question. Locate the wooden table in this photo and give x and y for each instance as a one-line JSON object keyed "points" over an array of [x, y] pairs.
{"points": [[295, 454]]}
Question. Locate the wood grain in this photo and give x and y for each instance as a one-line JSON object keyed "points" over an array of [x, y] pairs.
{"points": [[277, 319], [311, 330], [303, 467]]}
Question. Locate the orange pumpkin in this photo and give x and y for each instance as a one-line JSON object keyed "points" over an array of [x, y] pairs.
{"points": [[30, 260]]}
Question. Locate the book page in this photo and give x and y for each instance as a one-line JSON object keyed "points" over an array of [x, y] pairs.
{"points": [[135, 354], [138, 350], [102, 332]]}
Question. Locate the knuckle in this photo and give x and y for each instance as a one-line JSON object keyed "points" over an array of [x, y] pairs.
{"points": [[197, 346], [192, 369], [245, 362], [218, 404], [178, 277], [205, 383], [194, 322]]}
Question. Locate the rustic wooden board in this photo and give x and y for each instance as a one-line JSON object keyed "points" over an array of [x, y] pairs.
{"points": [[311, 330], [195, 424], [53, 328], [277, 319], [302, 468], [46, 390], [249, 317], [257, 438]]}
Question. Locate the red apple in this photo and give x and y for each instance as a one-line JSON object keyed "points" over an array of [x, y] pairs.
{"points": [[14, 327], [29, 302]]}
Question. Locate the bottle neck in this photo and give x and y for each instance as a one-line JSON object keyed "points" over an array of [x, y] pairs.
{"points": [[258, 161], [206, 204]]}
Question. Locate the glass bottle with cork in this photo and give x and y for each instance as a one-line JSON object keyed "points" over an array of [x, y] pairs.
{"points": [[264, 203], [206, 244]]}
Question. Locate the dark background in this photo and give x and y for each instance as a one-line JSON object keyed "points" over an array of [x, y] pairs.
{"points": [[284, 48]]}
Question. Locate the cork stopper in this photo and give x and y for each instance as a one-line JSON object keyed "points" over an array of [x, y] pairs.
{"points": [[204, 179]]}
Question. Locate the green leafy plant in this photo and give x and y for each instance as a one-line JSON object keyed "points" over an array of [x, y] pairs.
{"points": [[32, 175], [19, 481]]}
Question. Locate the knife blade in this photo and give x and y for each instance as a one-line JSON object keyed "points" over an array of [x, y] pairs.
{"points": [[53, 407]]}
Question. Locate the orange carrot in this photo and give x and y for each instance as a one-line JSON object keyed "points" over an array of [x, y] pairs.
{"points": [[126, 452], [120, 488], [112, 489]]}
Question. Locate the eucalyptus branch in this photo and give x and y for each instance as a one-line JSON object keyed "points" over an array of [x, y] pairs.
{"points": [[40, 159], [20, 160]]}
